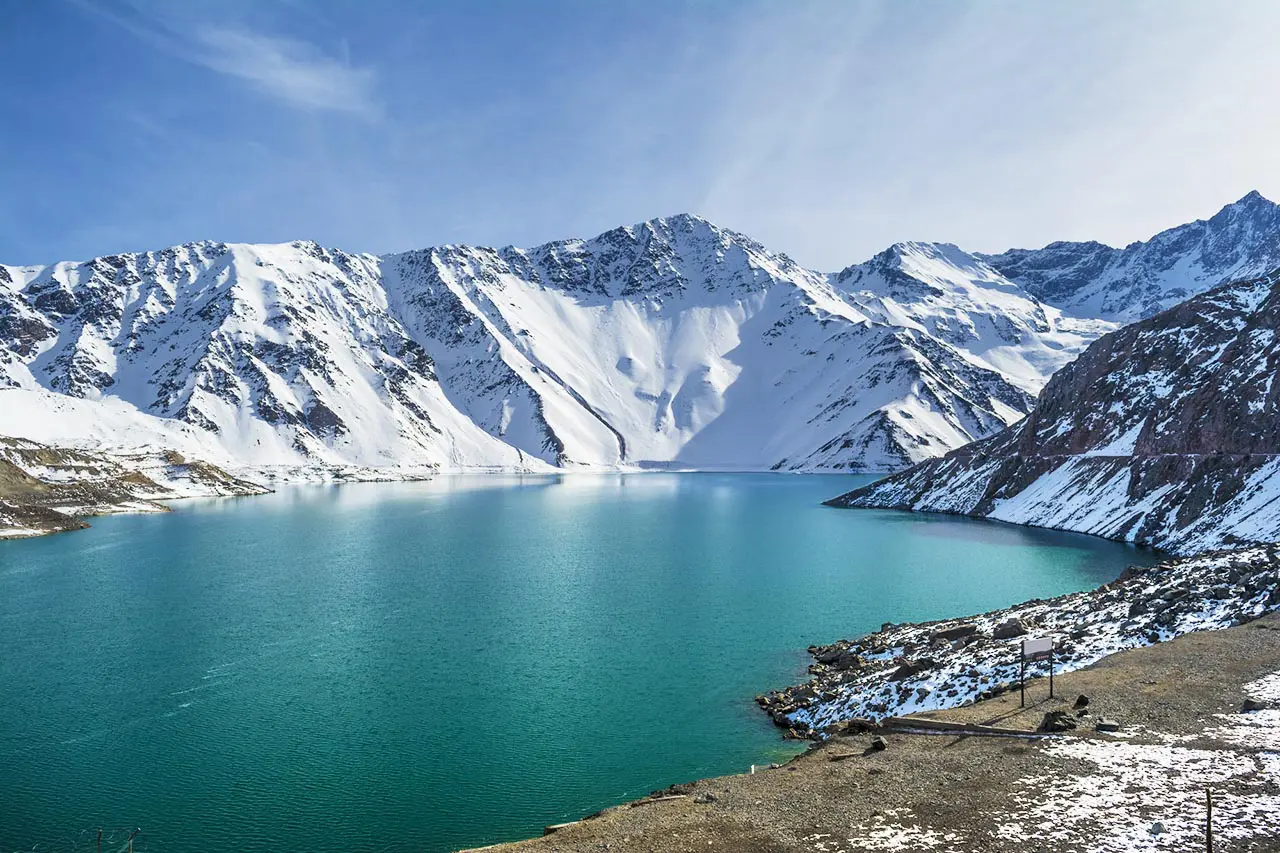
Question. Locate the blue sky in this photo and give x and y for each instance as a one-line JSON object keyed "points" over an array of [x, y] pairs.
{"points": [[827, 130]]}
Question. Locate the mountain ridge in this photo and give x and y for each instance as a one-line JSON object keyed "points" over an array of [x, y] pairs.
{"points": [[1241, 240], [669, 342]]}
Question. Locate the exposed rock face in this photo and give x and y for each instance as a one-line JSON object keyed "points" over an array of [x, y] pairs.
{"points": [[1165, 433]]}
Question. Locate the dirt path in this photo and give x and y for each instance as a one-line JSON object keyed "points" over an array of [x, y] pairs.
{"points": [[1178, 704]]}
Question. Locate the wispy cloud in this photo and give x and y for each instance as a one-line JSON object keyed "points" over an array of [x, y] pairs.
{"points": [[293, 71], [289, 69]]}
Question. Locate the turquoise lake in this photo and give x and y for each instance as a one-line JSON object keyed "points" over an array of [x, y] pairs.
{"points": [[435, 665]]}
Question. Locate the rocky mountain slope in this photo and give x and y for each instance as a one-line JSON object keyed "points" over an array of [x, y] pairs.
{"points": [[1162, 433], [45, 489], [1093, 280], [672, 342]]}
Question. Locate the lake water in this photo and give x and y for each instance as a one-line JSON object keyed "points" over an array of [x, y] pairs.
{"points": [[433, 665]]}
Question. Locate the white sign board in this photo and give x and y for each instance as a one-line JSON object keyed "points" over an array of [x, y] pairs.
{"points": [[1037, 646]]}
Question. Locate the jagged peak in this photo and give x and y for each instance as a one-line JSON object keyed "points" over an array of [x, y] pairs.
{"points": [[1250, 204], [1252, 198]]}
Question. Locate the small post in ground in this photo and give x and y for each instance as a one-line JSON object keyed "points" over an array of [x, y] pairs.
{"points": [[1208, 820]]}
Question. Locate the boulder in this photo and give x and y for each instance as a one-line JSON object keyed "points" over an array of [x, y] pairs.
{"points": [[860, 725], [910, 668], [1107, 725], [847, 661], [953, 633], [1252, 704], [1057, 721], [829, 654], [879, 744], [1082, 701], [1008, 629]]}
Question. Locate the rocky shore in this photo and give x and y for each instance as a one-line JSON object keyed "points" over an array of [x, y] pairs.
{"points": [[1167, 684], [1197, 716], [903, 669]]}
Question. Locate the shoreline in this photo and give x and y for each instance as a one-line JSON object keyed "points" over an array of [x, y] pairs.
{"points": [[965, 672], [47, 520], [903, 669]]}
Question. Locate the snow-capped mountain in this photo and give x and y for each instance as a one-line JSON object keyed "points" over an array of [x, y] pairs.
{"points": [[1166, 432], [672, 342], [669, 343], [675, 341], [1092, 280]]}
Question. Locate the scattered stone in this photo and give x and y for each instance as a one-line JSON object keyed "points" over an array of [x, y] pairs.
{"points": [[705, 798], [1157, 828], [1106, 725]]}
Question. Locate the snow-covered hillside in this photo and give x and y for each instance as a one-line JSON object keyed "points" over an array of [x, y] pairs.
{"points": [[1092, 280], [1166, 433], [668, 343]]}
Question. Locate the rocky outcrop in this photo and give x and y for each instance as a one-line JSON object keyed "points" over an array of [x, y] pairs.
{"points": [[47, 489], [1165, 433]]}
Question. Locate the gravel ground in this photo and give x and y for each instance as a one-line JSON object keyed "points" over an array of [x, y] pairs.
{"points": [[1178, 704]]}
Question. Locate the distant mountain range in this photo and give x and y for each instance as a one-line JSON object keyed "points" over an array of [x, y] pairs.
{"points": [[671, 343]]}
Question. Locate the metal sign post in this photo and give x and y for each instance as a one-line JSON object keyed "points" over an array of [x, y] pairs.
{"points": [[1034, 650]]}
